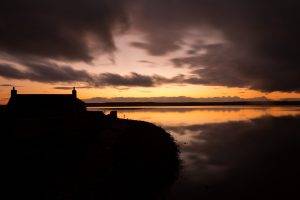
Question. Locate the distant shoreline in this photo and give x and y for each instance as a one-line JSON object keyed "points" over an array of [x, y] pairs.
{"points": [[235, 103]]}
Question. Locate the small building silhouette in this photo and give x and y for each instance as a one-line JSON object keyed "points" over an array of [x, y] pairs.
{"points": [[45, 103]]}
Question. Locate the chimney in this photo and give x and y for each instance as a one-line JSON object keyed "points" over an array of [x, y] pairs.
{"points": [[74, 92], [13, 93]]}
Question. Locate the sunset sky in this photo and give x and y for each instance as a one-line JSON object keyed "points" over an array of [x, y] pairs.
{"points": [[150, 48]]}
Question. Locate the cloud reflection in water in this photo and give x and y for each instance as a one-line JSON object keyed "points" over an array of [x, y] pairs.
{"points": [[243, 159], [232, 152]]}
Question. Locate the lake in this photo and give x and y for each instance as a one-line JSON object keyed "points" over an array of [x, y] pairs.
{"points": [[229, 151]]}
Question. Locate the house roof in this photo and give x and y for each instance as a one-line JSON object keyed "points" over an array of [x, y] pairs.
{"points": [[52, 103]]}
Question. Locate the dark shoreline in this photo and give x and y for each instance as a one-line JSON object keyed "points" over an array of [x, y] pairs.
{"points": [[236, 103], [86, 156]]}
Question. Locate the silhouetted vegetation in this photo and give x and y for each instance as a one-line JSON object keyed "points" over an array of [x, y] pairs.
{"points": [[86, 156]]}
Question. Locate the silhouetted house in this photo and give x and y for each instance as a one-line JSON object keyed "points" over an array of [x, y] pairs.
{"points": [[51, 104]]}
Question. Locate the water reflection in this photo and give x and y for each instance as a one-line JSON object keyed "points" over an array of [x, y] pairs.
{"points": [[242, 160], [232, 152], [170, 116]]}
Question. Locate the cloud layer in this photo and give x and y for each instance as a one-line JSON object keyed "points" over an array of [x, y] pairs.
{"points": [[259, 48], [256, 46], [60, 29], [48, 72]]}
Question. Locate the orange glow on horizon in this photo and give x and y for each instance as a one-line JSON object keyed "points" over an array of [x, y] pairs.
{"points": [[195, 91], [185, 116]]}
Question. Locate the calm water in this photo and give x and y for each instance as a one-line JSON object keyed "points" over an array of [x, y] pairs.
{"points": [[226, 150]]}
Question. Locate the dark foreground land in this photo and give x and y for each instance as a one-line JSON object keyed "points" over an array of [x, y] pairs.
{"points": [[85, 156]]}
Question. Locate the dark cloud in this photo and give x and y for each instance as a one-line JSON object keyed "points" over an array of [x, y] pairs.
{"points": [[49, 72], [10, 85], [146, 61], [255, 159], [226, 65], [258, 47], [133, 79], [157, 46], [60, 29], [45, 72], [5, 85], [260, 40]]}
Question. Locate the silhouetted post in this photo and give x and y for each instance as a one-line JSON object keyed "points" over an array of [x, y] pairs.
{"points": [[13, 93], [74, 92]]}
